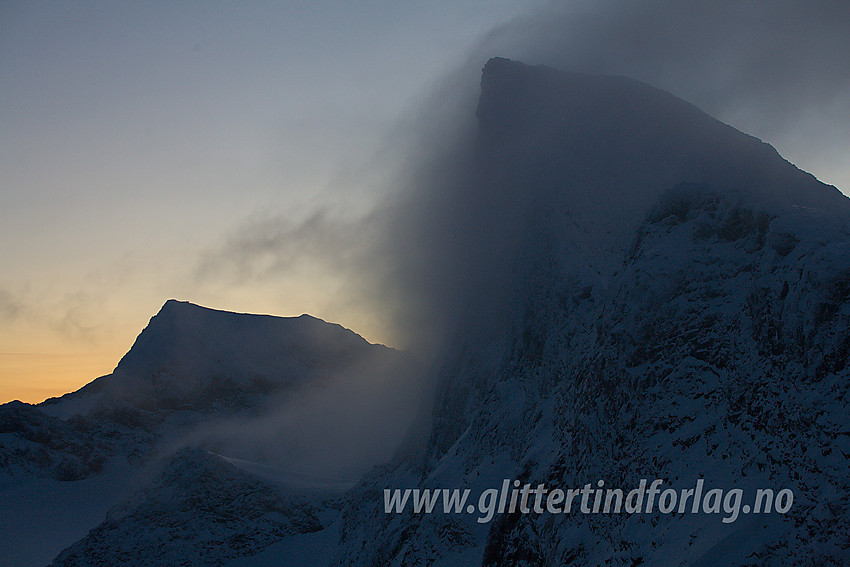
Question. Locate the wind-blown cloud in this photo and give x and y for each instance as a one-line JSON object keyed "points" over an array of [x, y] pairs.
{"points": [[337, 428], [282, 246], [417, 259], [769, 68], [776, 69], [326, 263]]}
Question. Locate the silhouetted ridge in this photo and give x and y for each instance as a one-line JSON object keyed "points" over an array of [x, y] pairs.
{"points": [[195, 357], [604, 136], [183, 330]]}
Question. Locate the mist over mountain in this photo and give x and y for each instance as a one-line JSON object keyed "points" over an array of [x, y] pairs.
{"points": [[572, 162], [772, 69], [625, 288], [634, 289], [207, 406]]}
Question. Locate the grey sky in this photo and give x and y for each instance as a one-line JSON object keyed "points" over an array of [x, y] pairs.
{"points": [[137, 137], [145, 143], [779, 70]]}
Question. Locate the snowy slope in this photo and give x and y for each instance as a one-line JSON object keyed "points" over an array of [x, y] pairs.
{"points": [[636, 290], [210, 440], [677, 307], [40, 516], [197, 510]]}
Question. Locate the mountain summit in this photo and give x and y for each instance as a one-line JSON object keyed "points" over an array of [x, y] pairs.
{"points": [[566, 168], [636, 292], [253, 416], [195, 357], [646, 293], [604, 138]]}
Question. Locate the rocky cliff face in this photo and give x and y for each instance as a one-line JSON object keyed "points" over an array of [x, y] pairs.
{"points": [[638, 291], [678, 309]]}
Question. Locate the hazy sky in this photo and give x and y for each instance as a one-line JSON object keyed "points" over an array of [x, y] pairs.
{"points": [[231, 154], [137, 139]]}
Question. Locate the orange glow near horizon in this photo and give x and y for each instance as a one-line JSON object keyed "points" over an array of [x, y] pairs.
{"points": [[34, 377], [49, 349], [37, 363]]}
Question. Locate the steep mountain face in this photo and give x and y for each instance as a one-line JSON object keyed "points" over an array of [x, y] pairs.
{"points": [[204, 444], [677, 307], [638, 291]]}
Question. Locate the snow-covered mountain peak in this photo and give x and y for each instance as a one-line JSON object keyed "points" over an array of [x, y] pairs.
{"points": [[645, 292], [277, 415], [638, 291], [565, 169]]}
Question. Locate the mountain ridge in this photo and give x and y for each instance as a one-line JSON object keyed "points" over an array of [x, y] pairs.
{"points": [[184, 339], [530, 104], [700, 331], [239, 411], [695, 328]]}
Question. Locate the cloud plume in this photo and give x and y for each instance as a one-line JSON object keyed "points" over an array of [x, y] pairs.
{"points": [[774, 69]]}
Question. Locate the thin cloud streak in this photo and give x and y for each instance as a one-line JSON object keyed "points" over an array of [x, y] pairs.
{"points": [[11, 307], [282, 246]]}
